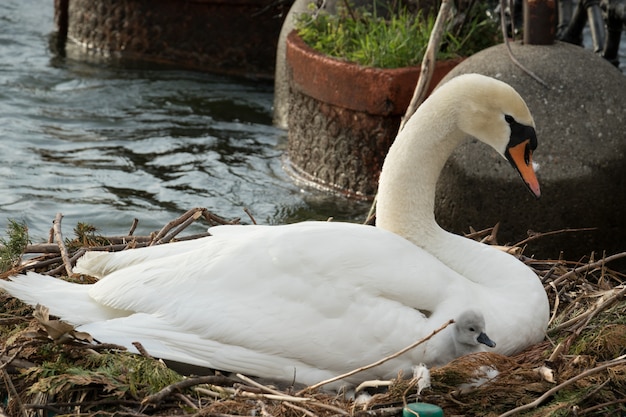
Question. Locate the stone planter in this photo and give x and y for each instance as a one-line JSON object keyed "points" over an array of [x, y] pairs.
{"points": [[343, 117], [223, 36]]}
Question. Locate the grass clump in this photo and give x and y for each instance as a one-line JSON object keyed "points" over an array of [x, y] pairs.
{"points": [[114, 374], [87, 235], [364, 37], [12, 249]]}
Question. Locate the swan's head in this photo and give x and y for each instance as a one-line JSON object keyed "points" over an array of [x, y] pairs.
{"points": [[493, 112], [469, 332]]}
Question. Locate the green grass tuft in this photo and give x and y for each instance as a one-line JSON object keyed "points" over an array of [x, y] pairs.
{"points": [[360, 36], [12, 249]]}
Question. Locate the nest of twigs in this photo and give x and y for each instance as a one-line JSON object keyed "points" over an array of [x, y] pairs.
{"points": [[47, 368]]}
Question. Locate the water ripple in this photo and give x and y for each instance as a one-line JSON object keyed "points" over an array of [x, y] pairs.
{"points": [[104, 143]]}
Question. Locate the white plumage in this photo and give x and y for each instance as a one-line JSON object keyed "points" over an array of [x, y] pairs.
{"points": [[317, 299]]}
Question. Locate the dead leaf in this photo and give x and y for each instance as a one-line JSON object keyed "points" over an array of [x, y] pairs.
{"points": [[58, 330]]}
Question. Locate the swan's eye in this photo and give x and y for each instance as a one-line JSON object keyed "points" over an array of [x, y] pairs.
{"points": [[471, 329], [509, 119]]}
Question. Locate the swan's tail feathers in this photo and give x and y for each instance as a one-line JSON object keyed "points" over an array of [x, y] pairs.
{"points": [[99, 264], [69, 301]]}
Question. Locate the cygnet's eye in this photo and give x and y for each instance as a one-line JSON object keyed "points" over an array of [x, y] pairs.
{"points": [[471, 329]]}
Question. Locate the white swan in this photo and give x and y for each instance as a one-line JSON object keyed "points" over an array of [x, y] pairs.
{"points": [[316, 299]]}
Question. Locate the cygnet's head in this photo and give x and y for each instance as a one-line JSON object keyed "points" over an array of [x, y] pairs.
{"points": [[469, 332]]}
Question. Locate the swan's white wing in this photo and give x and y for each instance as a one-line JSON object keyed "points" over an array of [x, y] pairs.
{"points": [[294, 289], [163, 340], [278, 294], [283, 260], [99, 263]]}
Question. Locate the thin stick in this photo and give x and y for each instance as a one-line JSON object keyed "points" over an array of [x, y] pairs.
{"points": [[249, 213], [615, 362], [299, 409], [133, 226], [215, 219], [279, 397], [142, 350], [189, 213], [56, 225], [508, 48], [428, 63], [258, 385], [553, 232], [426, 74], [186, 383], [182, 227], [600, 406], [589, 266], [379, 362], [72, 261], [186, 400]]}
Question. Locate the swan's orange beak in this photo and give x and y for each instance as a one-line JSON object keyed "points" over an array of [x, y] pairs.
{"points": [[521, 157]]}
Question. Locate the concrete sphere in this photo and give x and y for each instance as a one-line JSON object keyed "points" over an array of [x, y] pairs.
{"points": [[581, 129]]}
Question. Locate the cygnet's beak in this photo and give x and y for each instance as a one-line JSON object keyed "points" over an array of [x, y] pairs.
{"points": [[484, 339]]}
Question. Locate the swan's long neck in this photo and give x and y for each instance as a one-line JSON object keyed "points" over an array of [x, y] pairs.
{"points": [[406, 192], [406, 196]]}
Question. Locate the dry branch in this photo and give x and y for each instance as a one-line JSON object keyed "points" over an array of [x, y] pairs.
{"points": [[187, 383], [428, 62], [508, 48], [58, 235]]}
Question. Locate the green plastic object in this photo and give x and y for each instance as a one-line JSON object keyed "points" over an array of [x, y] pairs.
{"points": [[422, 410]]}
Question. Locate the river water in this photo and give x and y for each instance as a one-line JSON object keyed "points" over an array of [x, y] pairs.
{"points": [[104, 143]]}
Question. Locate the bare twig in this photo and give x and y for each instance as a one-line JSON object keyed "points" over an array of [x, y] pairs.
{"points": [[428, 62], [299, 409], [133, 226], [58, 235], [249, 213], [6, 361], [508, 48], [589, 266], [259, 385], [186, 400], [279, 397], [187, 383], [214, 219], [72, 261], [142, 350], [182, 227], [601, 406], [377, 363], [535, 236], [194, 214]]}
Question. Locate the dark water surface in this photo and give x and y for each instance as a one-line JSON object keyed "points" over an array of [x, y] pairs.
{"points": [[104, 143]]}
